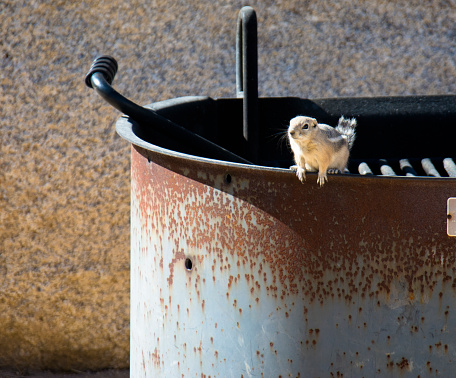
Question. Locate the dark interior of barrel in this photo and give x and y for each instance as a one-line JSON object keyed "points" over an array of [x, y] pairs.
{"points": [[403, 136]]}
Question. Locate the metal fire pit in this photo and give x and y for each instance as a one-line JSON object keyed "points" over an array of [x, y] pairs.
{"points": [[238, 269]]}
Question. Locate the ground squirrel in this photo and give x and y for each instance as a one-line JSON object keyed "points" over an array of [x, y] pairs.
{"points": [[320, 147]]}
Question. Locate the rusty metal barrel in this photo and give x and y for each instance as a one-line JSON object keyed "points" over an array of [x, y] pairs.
{"points": [[240, 270]]}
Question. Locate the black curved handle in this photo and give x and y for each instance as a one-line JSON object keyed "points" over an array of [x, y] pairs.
{"points": [[105, 64], [100, 77]]}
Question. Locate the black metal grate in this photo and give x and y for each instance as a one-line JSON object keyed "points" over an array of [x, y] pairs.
{"points": [[428, 167]]}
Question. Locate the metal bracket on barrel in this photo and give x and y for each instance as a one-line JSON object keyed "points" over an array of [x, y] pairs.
{"points": [[247, 78], [451, 216]]}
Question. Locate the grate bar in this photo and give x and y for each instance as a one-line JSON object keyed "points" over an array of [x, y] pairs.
{"points": [[364, 169], [429, 168], [386, 169], [450, 167], [407, 168]]}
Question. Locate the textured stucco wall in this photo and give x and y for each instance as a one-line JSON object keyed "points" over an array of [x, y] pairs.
{"points": [[64, 173]]}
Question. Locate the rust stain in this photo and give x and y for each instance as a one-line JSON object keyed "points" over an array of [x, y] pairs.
{"points": [[278, 240]]}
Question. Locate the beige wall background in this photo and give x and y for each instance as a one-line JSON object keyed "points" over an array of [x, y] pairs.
{"points": [[64, 173]]}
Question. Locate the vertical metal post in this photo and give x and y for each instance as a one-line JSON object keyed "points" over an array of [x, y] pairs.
{"points": [[247, 78]]}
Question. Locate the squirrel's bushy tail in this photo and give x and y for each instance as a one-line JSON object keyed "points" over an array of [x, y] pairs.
{"points": [[347, 128]]}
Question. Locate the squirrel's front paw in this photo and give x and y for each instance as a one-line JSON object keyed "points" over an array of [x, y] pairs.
{"points": [[301, 173], [322, 178]]}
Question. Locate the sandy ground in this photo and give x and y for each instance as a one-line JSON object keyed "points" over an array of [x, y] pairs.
{"points": [[10, 373], [64, 173]]}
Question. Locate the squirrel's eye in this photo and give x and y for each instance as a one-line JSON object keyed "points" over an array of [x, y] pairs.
{"points": [[305, 126]]}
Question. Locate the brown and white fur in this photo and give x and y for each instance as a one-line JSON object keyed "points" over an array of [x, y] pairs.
{"points": [[320, 147]]}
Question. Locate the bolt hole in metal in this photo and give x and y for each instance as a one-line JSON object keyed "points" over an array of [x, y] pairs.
{"points": [[228, 178], [188, 264]]}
